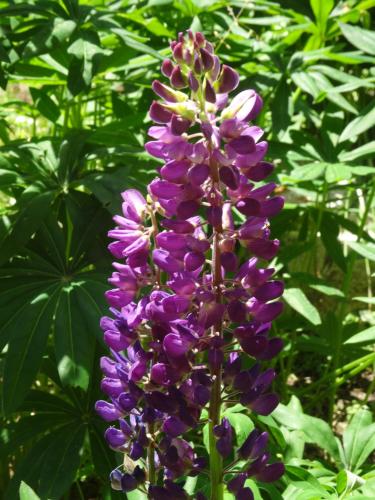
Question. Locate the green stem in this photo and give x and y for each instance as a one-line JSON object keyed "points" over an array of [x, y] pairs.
{"points": [[216, 462], [343, 306], [151, 458]]}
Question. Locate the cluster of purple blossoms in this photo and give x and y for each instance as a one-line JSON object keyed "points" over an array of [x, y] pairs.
{"points": [[191, 298]]}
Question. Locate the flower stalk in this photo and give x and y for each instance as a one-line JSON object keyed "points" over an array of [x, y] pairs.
{"points": [[186, 310]]}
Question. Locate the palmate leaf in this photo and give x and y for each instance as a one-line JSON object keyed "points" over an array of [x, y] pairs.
{"points": [[51, 464], [47, 292], [28, 337], [74, 326], [34, 205]]}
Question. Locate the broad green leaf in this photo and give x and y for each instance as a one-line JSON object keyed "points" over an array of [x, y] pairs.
{"points": [[298, 301], [61, 450], [28, 428], [365, 337], [359, 439], [359, 125], [27, 493], [359, 37], [34, 205], [60, 468], [366, 250], [358, 170], [29, 333], [318, 431], [364, 151], [75, 328], [309, 171], [87, 54], [336, 172]]}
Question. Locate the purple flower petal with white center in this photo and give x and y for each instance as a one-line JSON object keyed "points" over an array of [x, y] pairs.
{"points": [[114, 437], [107, 411]]}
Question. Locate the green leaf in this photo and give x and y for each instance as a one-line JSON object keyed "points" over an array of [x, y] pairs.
{"points": [[306, 82], [27, 493], [129, 40], [359, 439], [309, 171], [28, 336], [34, 205], [87, 55], [321, 9], [366, 250], [365, 337], [318, 431], [336, 172], [359, 37], [360, 124], [330, 230], [60, 468], [45, 104], [298, 301], [364, 151], [366, 300], [51, 464], [75, 328]]}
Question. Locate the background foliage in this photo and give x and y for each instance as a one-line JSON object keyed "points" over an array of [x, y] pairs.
{"points": [[76, 80]]}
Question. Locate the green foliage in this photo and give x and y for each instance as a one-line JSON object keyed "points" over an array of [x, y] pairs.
{"points": [[77, 85]]}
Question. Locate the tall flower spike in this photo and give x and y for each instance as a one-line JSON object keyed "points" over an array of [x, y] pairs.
{"points": [[183, 297]]}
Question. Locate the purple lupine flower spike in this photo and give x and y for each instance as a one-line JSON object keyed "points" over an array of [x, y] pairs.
{"points": [[180, 285]]}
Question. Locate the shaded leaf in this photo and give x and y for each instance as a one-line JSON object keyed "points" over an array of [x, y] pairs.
{"points": [[298, 301]]}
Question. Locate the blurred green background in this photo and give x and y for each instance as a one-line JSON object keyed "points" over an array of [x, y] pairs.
{"points": [[75, 89]]}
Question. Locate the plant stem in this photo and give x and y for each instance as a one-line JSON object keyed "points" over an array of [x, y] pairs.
{"points": [[216, 462], [151, 457], [343, 307]]}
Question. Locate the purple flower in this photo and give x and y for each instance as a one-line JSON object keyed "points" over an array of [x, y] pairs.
{"points": [[183, 294]]}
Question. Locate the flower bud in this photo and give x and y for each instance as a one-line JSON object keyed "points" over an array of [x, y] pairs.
{"points": [[228, 80], [209, 92], [207, 59], [177, 79]]}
